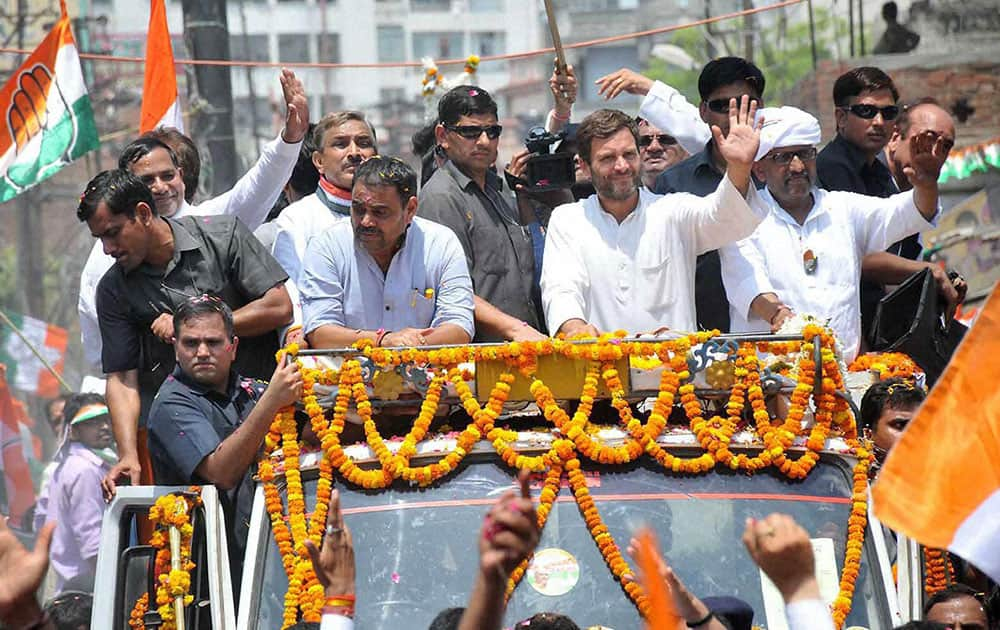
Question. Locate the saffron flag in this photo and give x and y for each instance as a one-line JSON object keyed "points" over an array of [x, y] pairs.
{"points": [[24, 370], [20, 489], [48, 121], [160, 106], [941, 483]]}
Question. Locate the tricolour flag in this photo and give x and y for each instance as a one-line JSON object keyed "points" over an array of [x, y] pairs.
{"points": [[941, 483], [48, 121], [24, 370], [13, 463], [160, 105]]}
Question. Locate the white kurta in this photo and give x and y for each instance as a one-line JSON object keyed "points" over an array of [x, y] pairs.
{"points": [[250, 199], [298, 224], [637, 275], [668, 110], [840, 230]]}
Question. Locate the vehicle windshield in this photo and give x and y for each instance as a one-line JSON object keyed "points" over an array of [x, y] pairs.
{"points": [[416, 549]]}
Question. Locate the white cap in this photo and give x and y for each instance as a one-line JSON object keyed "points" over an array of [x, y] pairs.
{"points": [[786, 127]]}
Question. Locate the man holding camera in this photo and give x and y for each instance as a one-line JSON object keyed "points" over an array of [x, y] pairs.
{"points": [[468, 197]]}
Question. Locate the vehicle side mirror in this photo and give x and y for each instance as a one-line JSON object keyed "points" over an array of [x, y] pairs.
{"points": [[135, 569]]}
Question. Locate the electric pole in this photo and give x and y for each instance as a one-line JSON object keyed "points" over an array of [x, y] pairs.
{"points": [[207, 33]]}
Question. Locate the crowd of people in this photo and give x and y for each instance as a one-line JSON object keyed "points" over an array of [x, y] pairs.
{"points": [[723, 215]]}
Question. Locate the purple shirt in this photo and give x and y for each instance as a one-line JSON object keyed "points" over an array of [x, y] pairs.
{"points": [[76, 504]]}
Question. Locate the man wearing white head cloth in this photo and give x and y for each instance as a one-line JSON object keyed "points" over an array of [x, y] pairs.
{"points": [[805, 257]]}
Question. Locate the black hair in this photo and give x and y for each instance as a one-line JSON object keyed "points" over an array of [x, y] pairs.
{"points": [[70, 610], [922, 625], [117, 188], [465, 100], [894, 393], [304, 625], [863, 79], [602, 124], [141, 147], [726, 71], [186, 152], [447, 619], [953, 592], [305, 177], [382, 170], [76, 402], [48, 406], [423, 140], [547, 621], [890, 12], [199, 307]]}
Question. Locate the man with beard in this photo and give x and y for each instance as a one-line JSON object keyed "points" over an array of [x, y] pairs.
{"points": [[806, 255], [386, 275], [658, 151], [466, 195], [624, 258], [152, 160]]}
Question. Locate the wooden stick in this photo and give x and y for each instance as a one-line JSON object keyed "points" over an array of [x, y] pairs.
{"points": [[34, 351], [550, 14]]}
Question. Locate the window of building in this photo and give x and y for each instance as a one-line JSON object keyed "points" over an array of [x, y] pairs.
{"points": [[248, 47], [294, 47], [328, 47], [439, 45], [391, 43], [488, 43], [430, 5]]}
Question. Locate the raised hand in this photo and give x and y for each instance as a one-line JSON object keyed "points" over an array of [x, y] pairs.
{"points": [[780, 547], [510, 531], [624, 80], [297, 107], [21, 573], [563, 88], [927, 155], [739, 147], [334, 561]]}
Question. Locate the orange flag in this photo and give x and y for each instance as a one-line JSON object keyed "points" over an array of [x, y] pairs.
{"points": [[13, 457], [160, 105], [662, 612], [941, 482]]}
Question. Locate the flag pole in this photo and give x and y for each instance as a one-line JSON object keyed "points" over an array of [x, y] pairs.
{"points": [[34, 351], [550, 14]]}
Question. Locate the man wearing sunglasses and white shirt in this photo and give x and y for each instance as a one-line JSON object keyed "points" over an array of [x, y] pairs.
{"points": [[468, 197], [805, 257]]}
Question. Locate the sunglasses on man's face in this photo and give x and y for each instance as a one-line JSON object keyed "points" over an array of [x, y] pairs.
{"points": [[786, 157], [721, 105], [472, 132], [662, 138], [862, 110]]}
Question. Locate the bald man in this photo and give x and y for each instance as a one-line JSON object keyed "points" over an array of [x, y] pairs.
{"points": [[924, 117]]}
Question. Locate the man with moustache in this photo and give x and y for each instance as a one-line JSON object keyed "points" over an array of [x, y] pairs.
{"points": [[386, 275], [157, 165], [466, 195], [624, 258], [806, 255], [160, 263], [924, 117], [658, 151]]}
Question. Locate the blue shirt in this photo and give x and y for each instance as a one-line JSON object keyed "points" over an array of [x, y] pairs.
{"points": [[427, 283]]}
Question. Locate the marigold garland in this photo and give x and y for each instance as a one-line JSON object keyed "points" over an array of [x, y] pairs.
{"points": [[939, 573], [169, 510], [575, 436], [887, 364]]}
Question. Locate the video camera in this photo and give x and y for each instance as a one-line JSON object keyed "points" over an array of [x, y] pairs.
{"points": [[548, 169]]}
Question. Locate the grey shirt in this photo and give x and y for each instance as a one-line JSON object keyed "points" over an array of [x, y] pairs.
{"points": [[497, 248]]}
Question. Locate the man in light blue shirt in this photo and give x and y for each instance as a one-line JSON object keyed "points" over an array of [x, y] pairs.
{"points": [[387, 275]]}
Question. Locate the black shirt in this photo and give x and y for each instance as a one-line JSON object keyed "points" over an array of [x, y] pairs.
{"points": [[843, 166], [187, 422], [699, 176], [498, 249], [214, 255]]}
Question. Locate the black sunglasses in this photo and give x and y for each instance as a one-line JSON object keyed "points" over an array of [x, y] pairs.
{"points": [[862, 110], [472, 132], [662, 138], [721, 105], [786, 157]]}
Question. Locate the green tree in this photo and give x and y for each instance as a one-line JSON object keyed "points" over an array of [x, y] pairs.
{"points": [[783, 53]]}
